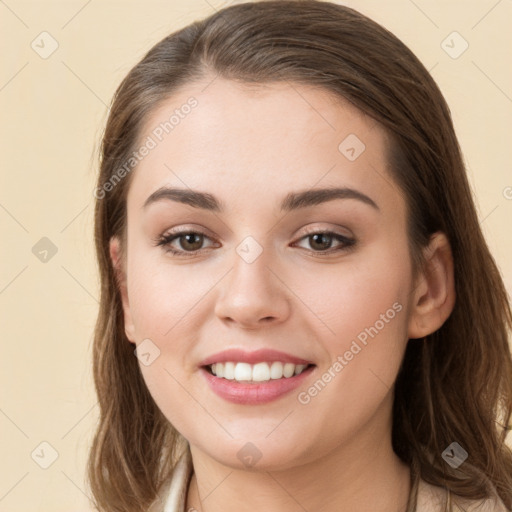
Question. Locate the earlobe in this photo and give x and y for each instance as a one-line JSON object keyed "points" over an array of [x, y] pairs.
{"points": [[120, 273], [433, 297]]}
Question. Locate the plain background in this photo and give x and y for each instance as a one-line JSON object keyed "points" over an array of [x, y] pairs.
{"points": [[53, 112]]}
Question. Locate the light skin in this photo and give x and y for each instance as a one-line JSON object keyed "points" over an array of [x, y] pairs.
{"points": [[250, 147]]}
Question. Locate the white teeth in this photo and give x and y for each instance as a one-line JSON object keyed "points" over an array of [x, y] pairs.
{"points": [[229, 371], [276, 370], [243, 371], [288, 370], [260, 372]]}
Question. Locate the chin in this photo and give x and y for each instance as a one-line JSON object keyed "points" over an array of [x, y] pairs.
{"points": [[258, 453]]}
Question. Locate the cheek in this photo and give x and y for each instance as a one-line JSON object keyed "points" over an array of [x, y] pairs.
{"points": [[366, 290], [165, 303], [164, 296], [367, 310], [162, 299], [364, 306]]}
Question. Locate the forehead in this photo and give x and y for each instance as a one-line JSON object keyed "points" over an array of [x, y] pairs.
{"points": [[252, 143]]}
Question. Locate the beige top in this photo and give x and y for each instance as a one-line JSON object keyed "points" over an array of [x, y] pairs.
{"points": [[430, 498]]}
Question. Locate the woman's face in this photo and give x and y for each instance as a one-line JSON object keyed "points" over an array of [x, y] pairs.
{"points": [[255, 280]]}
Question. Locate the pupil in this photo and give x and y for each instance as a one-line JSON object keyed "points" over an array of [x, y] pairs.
{"points": [[192, 236], [324, 239]]}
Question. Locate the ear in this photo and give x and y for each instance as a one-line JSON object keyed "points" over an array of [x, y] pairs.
{"points": [[433, 297], [120, 272]]}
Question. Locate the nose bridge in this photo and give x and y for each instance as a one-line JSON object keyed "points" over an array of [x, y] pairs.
{"points": [[252, 294]]}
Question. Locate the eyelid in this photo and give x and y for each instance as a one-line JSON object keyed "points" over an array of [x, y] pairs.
{"points": [[335, 231], [184, 229]]}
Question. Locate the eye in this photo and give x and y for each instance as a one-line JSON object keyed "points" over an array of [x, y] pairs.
{"points": [[321, 242], [189, 240]]}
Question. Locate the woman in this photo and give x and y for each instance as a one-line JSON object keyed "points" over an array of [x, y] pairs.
{"points": [[288, 244]]}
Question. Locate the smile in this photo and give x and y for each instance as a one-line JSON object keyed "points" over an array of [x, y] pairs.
{"points": [[254, 377], [260, 372]]}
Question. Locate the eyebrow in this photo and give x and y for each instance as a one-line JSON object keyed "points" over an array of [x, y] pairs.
{"points": [[292, 201]]}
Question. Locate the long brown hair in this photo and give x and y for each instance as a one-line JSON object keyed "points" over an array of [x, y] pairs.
{"points": [[453, 386]]}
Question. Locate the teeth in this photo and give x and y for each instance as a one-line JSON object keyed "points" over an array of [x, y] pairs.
{"points": [[276, 370], [229, 371], [260, 372], [288, 370], [243, 371]]}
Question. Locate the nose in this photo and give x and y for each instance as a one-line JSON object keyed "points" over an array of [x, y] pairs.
{"points": [[253, 294]]}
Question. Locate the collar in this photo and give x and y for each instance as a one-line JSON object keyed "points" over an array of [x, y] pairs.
{"points": [[430, 498]]}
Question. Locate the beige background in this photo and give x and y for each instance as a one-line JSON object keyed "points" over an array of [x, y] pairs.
{"points": [[53, 111]]}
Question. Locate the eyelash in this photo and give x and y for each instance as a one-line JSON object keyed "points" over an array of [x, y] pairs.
{"points": [[165, 242]]}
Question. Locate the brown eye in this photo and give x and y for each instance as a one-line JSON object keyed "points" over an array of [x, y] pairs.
{"points": [[321, 242], [191, 241]]}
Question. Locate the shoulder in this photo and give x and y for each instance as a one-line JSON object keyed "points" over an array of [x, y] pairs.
{"points": [[432, 498]]}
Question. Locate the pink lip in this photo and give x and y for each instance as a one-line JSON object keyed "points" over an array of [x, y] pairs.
{"points": [[254, 393], [257, 356]]}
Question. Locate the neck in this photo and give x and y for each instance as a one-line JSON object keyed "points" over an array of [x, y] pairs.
{"points": [[364, 474]]}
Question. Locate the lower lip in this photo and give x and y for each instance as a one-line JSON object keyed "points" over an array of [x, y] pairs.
{"points": [[254, 393]]}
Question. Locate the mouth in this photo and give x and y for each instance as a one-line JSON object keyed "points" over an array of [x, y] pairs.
{"points": [[253, 378]]}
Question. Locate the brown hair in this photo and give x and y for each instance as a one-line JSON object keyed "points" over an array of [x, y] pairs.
{"points": [[454, 385]]}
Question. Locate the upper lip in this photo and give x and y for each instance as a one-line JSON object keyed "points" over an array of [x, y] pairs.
{"points": [[253, 357]]}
